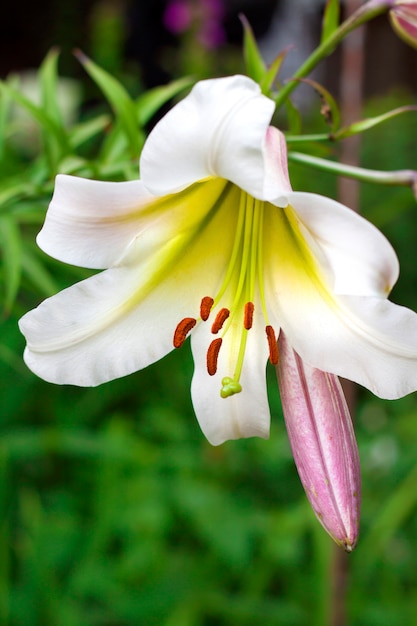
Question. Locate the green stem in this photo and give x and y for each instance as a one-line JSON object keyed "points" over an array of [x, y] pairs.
{"points": [[307, 138], [407, 178], [367, 12]]}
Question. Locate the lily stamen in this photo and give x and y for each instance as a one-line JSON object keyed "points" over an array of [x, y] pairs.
{"points": [[213, 355], [248, 315], [220, 319], [182, 330], [205, 307], [272, 344]]}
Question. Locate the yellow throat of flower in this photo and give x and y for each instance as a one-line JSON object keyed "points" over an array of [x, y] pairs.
{"points": [[244, 270]]}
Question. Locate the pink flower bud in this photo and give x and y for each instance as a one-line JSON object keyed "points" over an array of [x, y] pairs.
{"points": [[403, 17], [323, 443]]}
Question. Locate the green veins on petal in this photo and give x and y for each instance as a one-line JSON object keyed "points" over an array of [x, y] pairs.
{"points": [[243, 282]]}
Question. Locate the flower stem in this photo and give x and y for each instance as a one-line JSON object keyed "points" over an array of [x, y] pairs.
{"points": [[367, 12], [407, 178]]}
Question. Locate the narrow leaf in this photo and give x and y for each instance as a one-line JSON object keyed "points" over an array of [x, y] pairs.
{"points": [[255, 65], [118, 98], [330, 19], [48, 77], [11, 257], [87, 130], [47, 123], [370, 122], [329, 109], [115, 145], [272, 72], [5, 107], [399, 506], [37, 274], [151, 101]]}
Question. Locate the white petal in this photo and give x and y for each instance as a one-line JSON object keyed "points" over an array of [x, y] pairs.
{"points": [[362, 261], [124, 318], [93, 332], [90, 223], [368, 340], [219, 129], [75, 233], [245, 414], [363, 338]]}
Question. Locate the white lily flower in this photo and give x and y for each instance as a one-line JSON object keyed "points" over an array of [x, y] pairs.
{"points": [[213, 242], [212, 231]]}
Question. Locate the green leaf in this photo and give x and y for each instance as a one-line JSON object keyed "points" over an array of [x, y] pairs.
{"points": [[87, 130], [360, 127], [47, 124], [272, 72], [329, 109], [48, 77], [120, 101], [255, 65], [11, 256], [10, 192], [399, 505], [115, 145], [37, 274], [5, 106], [151, 101], [330, 19]]}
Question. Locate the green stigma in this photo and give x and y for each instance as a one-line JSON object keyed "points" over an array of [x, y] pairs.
{"points": [[229, 387]]}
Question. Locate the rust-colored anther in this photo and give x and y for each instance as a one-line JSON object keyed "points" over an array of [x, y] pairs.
{"points": [[205, 307], [221, 317], [182, 330], [248, 315], [272, 345], [213, 355]]}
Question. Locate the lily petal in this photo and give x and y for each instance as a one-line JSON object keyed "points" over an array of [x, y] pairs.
{"points": [[368, 340], [93, 332], [124, 319], [244, 414], [90, 223], [219, 129], [323, 443], [361, 259], [365, 339]]}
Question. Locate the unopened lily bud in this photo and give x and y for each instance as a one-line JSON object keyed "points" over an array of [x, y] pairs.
{"points": [[403, 16], [323, 443]]}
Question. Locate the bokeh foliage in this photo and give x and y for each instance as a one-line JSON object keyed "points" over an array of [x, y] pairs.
{"points": [[114, 509]]}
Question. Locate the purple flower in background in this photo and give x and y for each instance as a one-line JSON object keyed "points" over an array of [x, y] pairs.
{"points": [[177, 16], [205, 16]]}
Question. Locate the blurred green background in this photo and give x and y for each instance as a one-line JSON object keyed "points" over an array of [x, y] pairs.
{"points": [[114, 510]]}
